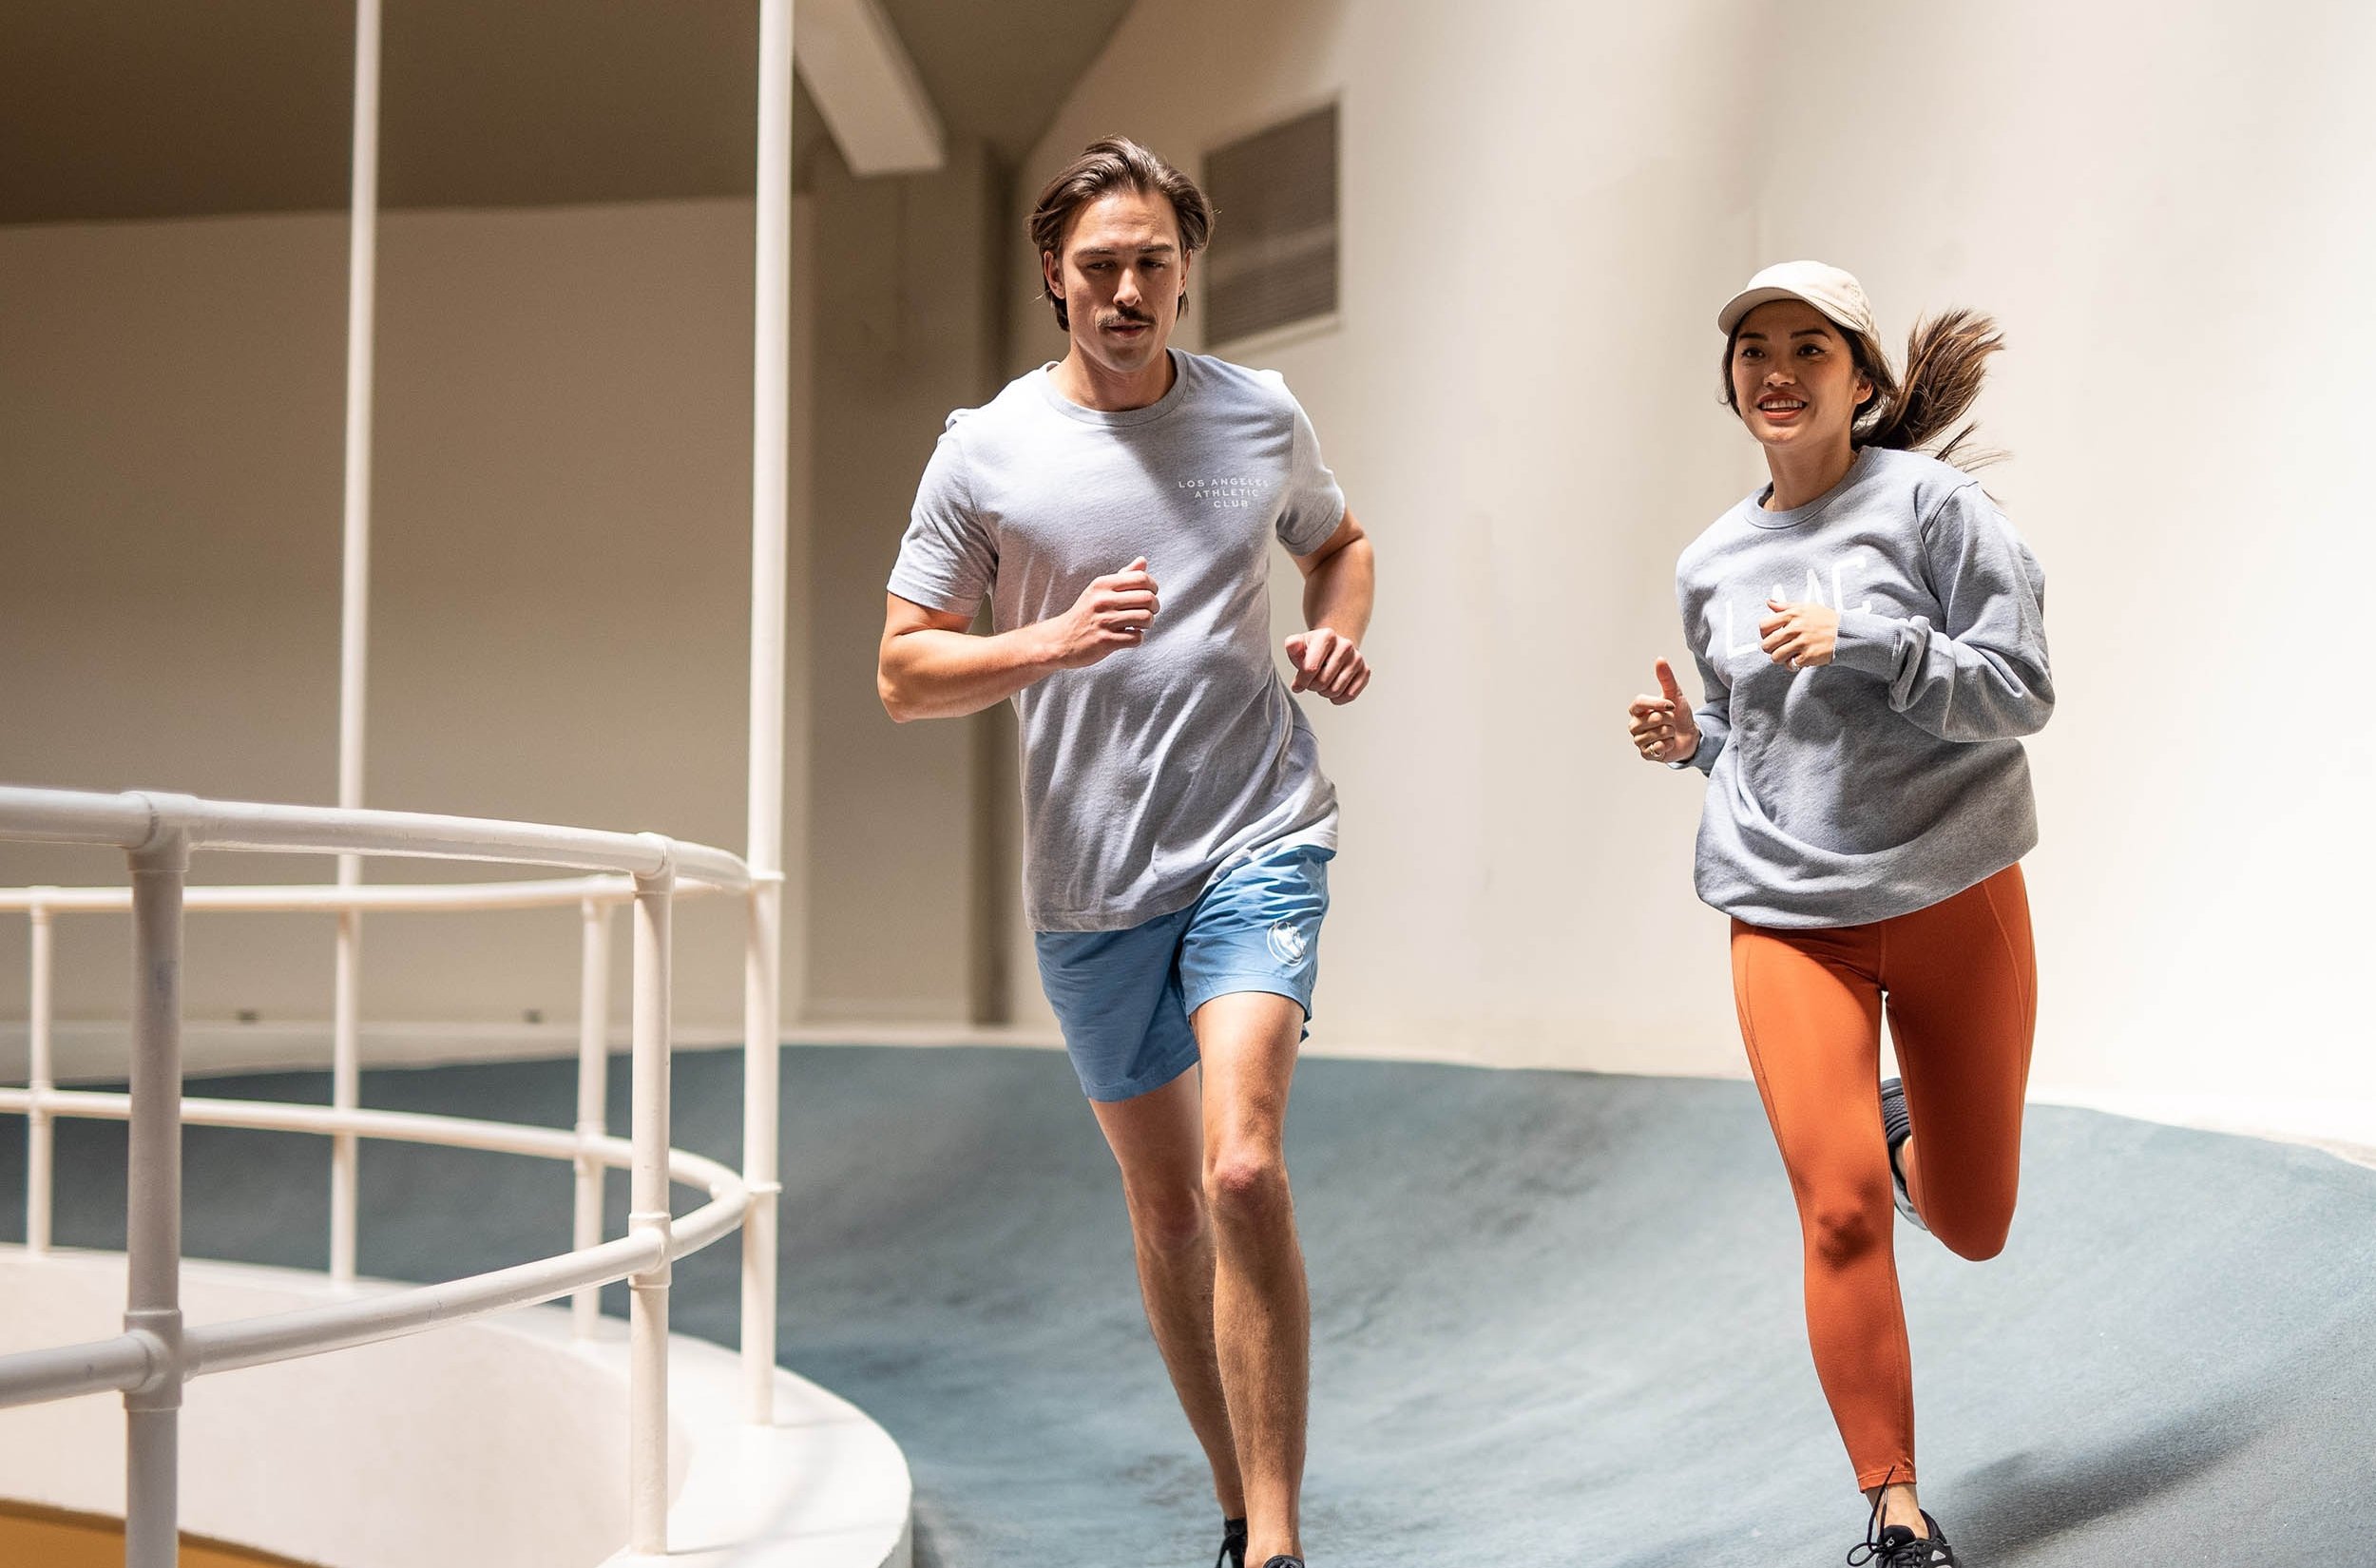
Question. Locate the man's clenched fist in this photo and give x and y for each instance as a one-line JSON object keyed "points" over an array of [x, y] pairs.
{"points": [[1328, 663]]}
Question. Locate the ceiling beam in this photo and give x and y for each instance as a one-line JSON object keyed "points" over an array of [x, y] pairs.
{"points": [[860, 77]]}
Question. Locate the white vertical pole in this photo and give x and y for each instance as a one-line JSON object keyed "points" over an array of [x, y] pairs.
{"points": [[593, 1082], [39, 1147], [759, 1063], [770, 482], [153, 1217], [354, 639], [345, 1082], [649, 1212]]}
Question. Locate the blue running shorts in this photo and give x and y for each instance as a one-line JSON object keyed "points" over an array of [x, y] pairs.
{"points": [[1124, 996]]}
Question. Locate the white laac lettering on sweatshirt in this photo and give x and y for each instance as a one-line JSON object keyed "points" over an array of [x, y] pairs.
{"points": [[1729, 644]]}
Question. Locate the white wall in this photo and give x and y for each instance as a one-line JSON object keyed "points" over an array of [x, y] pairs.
{"points": [[560, 598], [907, 329], [2168, 209], [562, 508]]}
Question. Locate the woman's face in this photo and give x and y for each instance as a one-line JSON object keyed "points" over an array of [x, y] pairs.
{"points": [[1795, 378]]}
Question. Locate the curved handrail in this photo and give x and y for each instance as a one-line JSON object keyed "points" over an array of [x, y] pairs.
{"points": [[157, 1352], [138, 819], [331, 898], [126, 1361], [365, 898], [504, 1138]]}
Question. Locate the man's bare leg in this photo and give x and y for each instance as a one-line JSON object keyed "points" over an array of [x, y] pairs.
{"points": [[1158, 1138], [1262, 1316]]}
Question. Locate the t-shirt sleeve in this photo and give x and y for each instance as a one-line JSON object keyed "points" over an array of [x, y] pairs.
{"points": [[1311, 507], [948, 558]]}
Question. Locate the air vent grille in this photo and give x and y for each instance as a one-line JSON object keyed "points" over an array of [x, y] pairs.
{"points": [[1274, 257]]}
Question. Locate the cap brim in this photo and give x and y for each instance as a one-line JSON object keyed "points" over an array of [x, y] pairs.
{"points": [[1748, 300]]}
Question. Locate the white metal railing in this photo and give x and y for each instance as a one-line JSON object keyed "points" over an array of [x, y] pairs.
{"points": [[156, 1353]]}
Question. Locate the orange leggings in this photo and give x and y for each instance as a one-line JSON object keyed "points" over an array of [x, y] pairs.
{"points": [[1960, 981]]}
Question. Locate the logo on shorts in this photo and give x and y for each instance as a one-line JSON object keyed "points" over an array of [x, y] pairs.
{"points": [[1289, 944]]}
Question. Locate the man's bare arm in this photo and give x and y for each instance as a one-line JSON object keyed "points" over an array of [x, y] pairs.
{"points": [[930, 666], [1340, 585]]}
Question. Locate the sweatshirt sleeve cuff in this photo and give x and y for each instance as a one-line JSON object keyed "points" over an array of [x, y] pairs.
{"points": [[1867, 642], [1704, 756]]}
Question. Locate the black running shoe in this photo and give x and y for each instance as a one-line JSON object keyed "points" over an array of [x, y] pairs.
{"points": [[1232, 1544], [1899, 1547], [1898, 1126], [1284, 1561]]}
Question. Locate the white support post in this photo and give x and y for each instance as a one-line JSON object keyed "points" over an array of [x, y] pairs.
{"points": [[769, 488], [648, 1213], [760, 1051], [345, 1084], [40, 1148], [354, 639], [585, 1308], [153, 1217]]}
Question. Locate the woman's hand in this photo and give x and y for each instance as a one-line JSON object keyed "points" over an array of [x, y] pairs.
{"points": [[1662, 728], [1799, 637]]}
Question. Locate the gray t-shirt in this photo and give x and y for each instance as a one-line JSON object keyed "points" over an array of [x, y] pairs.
{"points": [[1145, 772], [1892, 778]]}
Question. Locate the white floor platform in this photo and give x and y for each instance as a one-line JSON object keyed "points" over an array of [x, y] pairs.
{"points": [[493, 1444]]}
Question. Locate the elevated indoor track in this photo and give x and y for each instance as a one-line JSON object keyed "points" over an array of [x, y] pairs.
{"points": [[1557, 1315]]}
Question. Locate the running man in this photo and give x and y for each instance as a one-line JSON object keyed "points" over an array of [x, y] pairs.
{"points": [[1116, 509]]}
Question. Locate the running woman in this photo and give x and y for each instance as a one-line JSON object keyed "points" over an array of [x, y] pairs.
{"points": [[1871, 641], [1116, 509]]}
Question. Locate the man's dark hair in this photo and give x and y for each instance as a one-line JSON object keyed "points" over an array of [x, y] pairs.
{"points": [[1115, 163]]}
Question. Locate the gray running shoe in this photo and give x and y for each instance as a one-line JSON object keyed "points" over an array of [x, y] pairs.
{"points": [[1898, 1126]]}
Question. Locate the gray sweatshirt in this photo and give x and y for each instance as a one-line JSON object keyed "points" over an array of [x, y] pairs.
{"points": [[1891, 778]]}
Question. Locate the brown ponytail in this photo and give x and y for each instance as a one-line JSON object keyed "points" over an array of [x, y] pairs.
{"points": [[1945, 361]]}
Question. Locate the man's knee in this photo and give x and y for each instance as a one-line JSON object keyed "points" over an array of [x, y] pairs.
{"points": [[1170, 1219], [1246, 1184]]}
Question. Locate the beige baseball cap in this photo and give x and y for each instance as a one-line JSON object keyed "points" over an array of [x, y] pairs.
{"points": [[1829, 290]]}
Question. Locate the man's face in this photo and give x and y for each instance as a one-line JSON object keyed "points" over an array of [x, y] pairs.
{"points": [[1121, 274]]}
